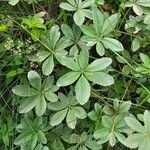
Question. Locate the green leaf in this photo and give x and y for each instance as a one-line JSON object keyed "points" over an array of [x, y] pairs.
{"points": [[70, 63], [42, 137], [125, 106], [147, 19], [57, 145], [147, 120], [110, 24], [93, 145], [101, 133], [107, 110], [129, 4], [33, 141], [79, 17], [121, 138], [83, 59], [58, 117], [23, 138], [56, 106], [48, 83], [134, 124], [134, 140], [137, 9], [13, 2], [50, 96], [63, 98], [68, 78], [23, 90], [107, 121], [101, 2], [79, 112], [85, 3], [145, 59], [61, 45], [54, 36], [88, 30], [112, 139], [48, 66], [67, 31], [74, 138], [100, 49], [39, 57], [34, 79], [67, 6], [40, 107], [145, 3], [100, 78], [71, 119], [82, 90], [135, 44], [112, 44], [99, 64], [27, 104], [93, 115], [14, 72], [97, 19]]}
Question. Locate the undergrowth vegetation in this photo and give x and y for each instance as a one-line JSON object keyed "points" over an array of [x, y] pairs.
{"points": [[75, 75]]}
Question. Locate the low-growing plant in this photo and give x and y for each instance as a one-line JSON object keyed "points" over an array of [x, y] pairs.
{"points": [[75, 75]]}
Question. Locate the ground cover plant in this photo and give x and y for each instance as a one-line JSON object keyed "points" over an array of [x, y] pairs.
{"points": [[75, 75]]}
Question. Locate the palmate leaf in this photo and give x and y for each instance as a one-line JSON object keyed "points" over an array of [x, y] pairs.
{"points": [[83, 142], [54, 49], [80, 66], [111, 130], [31, 132], [74, 34], [96, 33], [141, 136], [67, 107], [36, 96], [80, 10]]}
